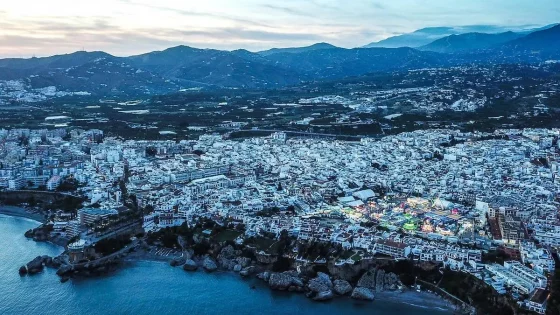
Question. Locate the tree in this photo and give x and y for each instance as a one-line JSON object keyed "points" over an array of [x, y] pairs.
{"points": [[201, 248], [151, 151], [184, 124], [68, 183], [134, 201], [126, 173], [282, 264], [148, 209], [553, 304], [110, 245], [124, 191]]}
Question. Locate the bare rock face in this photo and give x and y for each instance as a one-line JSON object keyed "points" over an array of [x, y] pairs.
{"points": [[243, 261], [63, 270], [367, 280], [342, 287], [237, 268], [58, 261], [179, 261], [380, 280], [264, 276], [280, 281], [35, 266], [190, 265], [209, 264], [283, 281], [324, 296], [266, 258], [391, 281], [245, 272], [321, 283], [361, 293], [47, 260], [226, 264], [227, 252]]}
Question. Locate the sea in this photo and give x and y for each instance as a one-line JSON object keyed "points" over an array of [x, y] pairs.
{"points": [[146, 287]]}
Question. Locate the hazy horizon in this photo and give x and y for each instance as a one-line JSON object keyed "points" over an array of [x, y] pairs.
{"points": [[129, 27]]}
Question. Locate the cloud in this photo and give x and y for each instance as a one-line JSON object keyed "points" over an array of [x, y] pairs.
{"points": [[189, 13], [124, 27], [100, 34], [287, 10]]}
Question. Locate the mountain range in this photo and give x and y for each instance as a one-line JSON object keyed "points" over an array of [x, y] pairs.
{"points": [[469, 41], [184, 67], [425, 36]]}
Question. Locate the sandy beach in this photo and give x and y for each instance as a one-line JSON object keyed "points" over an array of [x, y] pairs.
{"points": [[21, 212], [419, 299]]}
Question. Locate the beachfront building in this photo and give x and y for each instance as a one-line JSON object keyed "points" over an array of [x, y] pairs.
{"points": [[391, 248], [519, 277], [53, 182], [89, 216], [537, 302]]}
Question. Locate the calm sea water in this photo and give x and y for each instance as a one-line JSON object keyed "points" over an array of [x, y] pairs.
{"points": [[150, 288]]}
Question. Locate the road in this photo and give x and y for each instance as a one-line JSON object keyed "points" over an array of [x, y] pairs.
{"points": [[303, 133], [108, 257]]}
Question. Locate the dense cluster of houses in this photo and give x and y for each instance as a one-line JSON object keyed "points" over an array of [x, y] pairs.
{"points": [[432, 195]]}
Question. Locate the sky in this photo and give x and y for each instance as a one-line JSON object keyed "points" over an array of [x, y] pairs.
{"points": [[127, 27]]}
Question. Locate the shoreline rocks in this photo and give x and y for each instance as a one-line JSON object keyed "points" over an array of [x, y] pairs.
{"points": [[264, 276], [179, 261], [190, 265], [265, 259], [380, 280], [367, 280], [324, 296], [282, 281], [245, 272], [361, 293], [35, 265], [321, 287], [321, 283], [342, 287], [63, 270], [209, 264]]}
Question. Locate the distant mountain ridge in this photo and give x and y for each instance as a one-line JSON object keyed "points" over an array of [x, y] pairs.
{"points": [[469, 41], [425, 36], [184, 67], [296, 50], [415, 39], [547, 39]]}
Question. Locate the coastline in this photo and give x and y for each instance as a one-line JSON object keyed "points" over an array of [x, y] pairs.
{"points": [[421, 299], [15, 211], [413, 298], [155, 287]]}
